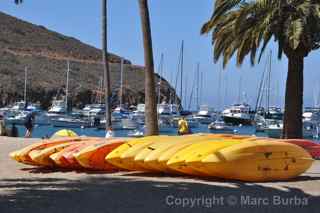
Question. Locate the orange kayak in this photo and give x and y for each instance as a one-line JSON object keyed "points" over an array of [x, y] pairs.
{"points": [[22, 156], [66, 159], [93, 156]]}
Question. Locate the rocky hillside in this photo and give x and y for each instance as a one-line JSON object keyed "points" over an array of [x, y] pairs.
{"points": [[45, 54]]}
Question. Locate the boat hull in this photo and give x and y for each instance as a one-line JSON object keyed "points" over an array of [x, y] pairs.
{"points": [[237, 121]]}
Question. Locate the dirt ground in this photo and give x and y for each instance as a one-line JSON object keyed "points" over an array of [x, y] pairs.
{"points": [[30, 189]]}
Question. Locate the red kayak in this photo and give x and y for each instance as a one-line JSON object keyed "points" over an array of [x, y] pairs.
{"points": [[312, 147]]}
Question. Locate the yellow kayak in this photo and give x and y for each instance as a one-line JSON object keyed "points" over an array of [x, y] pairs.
{"points": [[114, 157], [178, 160], [150, 160], [42, 157], [255, 161]]}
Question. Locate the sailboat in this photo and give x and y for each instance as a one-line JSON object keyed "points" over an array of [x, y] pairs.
{"points": [[59, 107]]}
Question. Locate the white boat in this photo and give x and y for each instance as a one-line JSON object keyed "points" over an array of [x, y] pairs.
{"points": [[164, 124], [19, 106], [57, 107], [18, 118], [136, 133], [238, 114], [310, 129], [220, 126], [311, 114], [205, 115], [138, 114], [70, 122], [92, 110]]}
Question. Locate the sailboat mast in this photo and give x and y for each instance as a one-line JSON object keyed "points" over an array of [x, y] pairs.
{"points": [[181, 71], [67, 85], [219, 88], [198, 83], [269, 81], [160, 77], [25, 85], [121, 81], [201, 88], [225, 98]]}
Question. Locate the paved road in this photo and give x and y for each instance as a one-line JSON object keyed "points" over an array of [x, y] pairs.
{"points": [[28, 189]]}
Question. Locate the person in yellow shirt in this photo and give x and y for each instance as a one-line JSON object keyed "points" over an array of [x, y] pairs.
{"points": [[183, 127]]}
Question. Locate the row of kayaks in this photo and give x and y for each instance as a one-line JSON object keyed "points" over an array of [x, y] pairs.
{"points": [[207, 155]]}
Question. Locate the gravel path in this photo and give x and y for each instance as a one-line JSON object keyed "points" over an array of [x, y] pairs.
{"points": [[29, 189]]}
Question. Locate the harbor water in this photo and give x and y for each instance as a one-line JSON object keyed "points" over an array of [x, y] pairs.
{"points": [[48, 131]]}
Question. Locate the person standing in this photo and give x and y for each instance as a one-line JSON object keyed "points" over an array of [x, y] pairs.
{"points": [[14, 131], [183, 127], [29, 125], [110, 133], [3, 131]]}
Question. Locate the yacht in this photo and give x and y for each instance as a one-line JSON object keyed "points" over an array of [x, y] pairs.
{"points": [[58, 107], [238, 114], [18, 118], [71, 122], [311, 114], [138, 114], [310, 129], [205, 115], [263, 119], [19, 106], [220, 126], [92, 110]]}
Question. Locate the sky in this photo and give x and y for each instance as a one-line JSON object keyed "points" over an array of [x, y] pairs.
{"points": [[172, 22]]}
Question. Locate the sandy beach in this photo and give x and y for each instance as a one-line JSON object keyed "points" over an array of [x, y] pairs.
{"points": [[29, 189]]}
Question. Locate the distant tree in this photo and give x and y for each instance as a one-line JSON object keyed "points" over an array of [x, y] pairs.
{"points": [[151, 117], [245, 27]]}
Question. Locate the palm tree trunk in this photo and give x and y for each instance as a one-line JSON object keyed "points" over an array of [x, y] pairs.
{"points": [[105, 63], [294, 98], [151, 118]]}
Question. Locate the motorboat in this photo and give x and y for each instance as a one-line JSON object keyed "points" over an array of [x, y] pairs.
{"points": [[220, 126], [205, 115], [17, 118], [138, 114], [71, 122], [136, 133], [57, 107], [168, 109], [310, 129], [264, 118], [238, 114], [19, 106], [92, 110], [164, 124], [311, 114]]}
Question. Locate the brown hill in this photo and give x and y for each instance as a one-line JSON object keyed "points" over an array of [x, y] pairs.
{"points": [[45, 54]]}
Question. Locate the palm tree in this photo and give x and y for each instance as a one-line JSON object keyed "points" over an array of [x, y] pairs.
{"points": [[245, 27], [106, 64], [151, 119]]}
